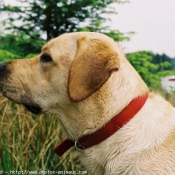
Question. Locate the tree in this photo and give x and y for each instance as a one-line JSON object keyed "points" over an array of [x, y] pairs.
{"points": [[20, 45], [150, 71], [164, 61], [50, 18]]}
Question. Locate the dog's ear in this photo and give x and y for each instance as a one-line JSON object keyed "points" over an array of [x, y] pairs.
{"points": [[94, 63]]}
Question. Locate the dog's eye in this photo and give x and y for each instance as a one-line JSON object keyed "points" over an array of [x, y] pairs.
{"points": [[45, 58]]}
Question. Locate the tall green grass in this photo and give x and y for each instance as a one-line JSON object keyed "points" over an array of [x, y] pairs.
{"points": [[27, 141]]}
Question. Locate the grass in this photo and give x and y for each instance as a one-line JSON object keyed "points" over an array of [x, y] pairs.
{"points": [[27, 141]]}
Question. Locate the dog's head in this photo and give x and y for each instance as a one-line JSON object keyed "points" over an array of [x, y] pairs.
{"points": [[69, 69]]}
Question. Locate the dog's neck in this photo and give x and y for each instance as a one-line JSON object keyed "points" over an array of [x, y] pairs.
{"points": [[106, 131]]}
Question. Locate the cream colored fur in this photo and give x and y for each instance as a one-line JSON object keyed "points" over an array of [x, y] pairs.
{"points": [[144, 146]]}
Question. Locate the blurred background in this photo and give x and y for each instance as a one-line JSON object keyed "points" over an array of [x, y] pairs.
{"points": [[144, 29]]}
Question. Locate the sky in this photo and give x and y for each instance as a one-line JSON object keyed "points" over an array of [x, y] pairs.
{"points": [[153, 22]]}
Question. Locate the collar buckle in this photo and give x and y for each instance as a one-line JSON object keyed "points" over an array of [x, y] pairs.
{"points": [[80, 146]]}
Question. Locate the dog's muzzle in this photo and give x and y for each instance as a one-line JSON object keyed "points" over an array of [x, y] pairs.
{"points": [[24, 99]]}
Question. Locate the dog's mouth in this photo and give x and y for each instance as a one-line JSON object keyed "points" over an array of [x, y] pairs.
{"points": [[27, 103], [33, 108], [25, 99]]}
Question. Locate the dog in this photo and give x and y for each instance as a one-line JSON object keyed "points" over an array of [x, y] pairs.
{"points": [[104, 106]]}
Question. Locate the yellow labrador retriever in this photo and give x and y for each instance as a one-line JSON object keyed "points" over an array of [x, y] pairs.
{"points": [[103, 104]]}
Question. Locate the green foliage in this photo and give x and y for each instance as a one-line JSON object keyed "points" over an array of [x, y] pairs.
{"points": [[6, 55], [31, 55], [149, 70], [50, 18], [19, 45], [164, 61]]}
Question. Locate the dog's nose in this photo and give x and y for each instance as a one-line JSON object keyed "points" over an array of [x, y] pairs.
{"points": [[3, 69]]}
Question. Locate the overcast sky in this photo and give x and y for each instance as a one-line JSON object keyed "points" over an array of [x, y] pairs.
{"points": [[152, 20], [154, 24]]}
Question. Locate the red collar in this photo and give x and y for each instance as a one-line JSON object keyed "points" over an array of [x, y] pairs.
{"points": [[109, 129]]}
